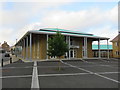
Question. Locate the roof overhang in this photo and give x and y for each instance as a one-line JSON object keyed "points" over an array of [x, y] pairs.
{"points": [[95, 38]]}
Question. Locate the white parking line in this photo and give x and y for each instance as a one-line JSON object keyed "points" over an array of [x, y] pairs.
{"points": [[15, 67], [35, 81], [91, 72], [15, 76], [99, 64], [70, 74], [47, 75], [107, 72], [74, 74]]}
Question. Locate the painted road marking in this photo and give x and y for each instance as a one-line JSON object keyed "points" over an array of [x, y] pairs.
{"points": [[91, 72], [35, 81], [111, 66], [16, 67], [73, 74], [15, 76], [107, 72], [69, 74]]}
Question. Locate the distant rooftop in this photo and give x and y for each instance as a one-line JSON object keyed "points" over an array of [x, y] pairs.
{"points": [[102, 47]]}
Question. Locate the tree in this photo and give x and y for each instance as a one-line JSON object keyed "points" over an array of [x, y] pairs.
{"points": [[57, 46]]}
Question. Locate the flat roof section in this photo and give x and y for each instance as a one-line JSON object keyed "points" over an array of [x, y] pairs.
{"points": [[64, 31], [52, 31]]}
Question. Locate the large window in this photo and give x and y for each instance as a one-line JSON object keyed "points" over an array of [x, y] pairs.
{"points": [[18, 50]]}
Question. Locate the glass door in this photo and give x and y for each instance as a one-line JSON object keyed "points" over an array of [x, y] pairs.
{"points": [[71, 53]]}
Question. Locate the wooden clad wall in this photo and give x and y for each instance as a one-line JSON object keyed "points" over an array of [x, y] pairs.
{"points": [[89, 48], [43, 46], [24, 49], [79, 50], [33, 46], [39, 46]]}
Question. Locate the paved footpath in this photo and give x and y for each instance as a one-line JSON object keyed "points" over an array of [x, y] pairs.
{"points": [[14, 59]]}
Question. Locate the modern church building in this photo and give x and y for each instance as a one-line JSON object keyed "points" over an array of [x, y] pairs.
{"points": [[34, 44]]}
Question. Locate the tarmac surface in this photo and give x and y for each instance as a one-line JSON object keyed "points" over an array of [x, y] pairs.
{"points": [[83, 73]]}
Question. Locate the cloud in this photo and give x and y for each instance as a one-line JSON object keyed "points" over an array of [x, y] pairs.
{"points": [[23, 12], [19, 19], [59, 0], [80, 19], [106, 31], [85, 21], [112, 15], [22, 31], [6, 34], [37, 0]]}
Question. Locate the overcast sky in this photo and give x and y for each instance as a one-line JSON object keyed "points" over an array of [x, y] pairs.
{"points": [[99, 18]]}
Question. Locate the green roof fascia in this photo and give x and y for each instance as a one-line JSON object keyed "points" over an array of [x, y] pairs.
{"points": [[67, 31], [101, 47]]}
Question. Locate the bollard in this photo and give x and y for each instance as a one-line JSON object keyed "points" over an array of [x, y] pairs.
{"points": [[2, 63], [10, 60]]}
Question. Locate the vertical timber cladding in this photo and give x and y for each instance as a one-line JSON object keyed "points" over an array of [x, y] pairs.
{"points": [[39, 46], [28, 54], [35, 40], [43, 44], [24, 48], [89, 48], [114, 49], [36, 46], [33, 46], [78, 41]]}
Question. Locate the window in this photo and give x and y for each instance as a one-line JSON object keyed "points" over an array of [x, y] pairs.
{"points": [[116, 43], [71, 41], [117, 53]]}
